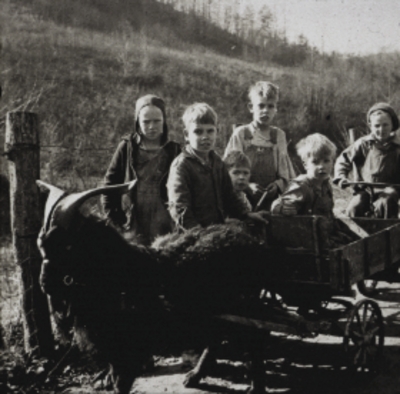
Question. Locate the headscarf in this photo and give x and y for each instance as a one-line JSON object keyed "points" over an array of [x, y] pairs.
{"points": [[385, 108], [151, 99]]}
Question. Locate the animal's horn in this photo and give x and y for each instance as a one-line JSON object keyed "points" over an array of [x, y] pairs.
{"points": [[54, 196], [65, 210]]}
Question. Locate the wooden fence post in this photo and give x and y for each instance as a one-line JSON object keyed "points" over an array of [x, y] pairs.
{"points": [[23, 152]]}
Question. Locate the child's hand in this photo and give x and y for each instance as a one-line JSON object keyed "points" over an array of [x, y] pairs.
{"points": [[343, 183], [272, 190], [258, 216], [255, 188]]}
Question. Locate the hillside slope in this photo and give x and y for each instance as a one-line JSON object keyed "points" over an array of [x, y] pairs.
{"points": [[81, 66], [84, 82]]}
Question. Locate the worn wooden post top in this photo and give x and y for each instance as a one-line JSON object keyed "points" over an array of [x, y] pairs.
{"points": [[22, 149], [21, 131]]}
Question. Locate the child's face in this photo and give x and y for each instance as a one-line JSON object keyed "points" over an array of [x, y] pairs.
{"points": [[201, 137], [240, 177], [263, 110], [381, 125], [151, 121], [319, 168]]}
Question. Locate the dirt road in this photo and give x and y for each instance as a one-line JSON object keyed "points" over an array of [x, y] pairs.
{"points": [[300, 366], [293, 366]]}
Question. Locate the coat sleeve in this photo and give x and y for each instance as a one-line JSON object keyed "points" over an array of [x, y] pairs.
{"points": [[293, 197], [355, 153], [179, 195], [285, 170], [115, 175]]}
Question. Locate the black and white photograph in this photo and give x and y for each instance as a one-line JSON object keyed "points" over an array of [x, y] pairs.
{"points": [[199, 196]]}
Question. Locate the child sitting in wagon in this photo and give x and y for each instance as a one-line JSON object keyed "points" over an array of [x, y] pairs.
{"points": [[374, 158], [310, 193]]}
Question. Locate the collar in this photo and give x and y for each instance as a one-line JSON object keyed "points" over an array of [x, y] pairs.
{"points": [[393, 139], [188, 151]]}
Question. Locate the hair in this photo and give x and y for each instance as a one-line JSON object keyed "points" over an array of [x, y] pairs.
{"points": [[199, 113], [264, 89], [236, 158], [315, 145]]}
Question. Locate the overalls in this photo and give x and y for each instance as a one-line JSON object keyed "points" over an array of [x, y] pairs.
{"points": [[263, 167]]}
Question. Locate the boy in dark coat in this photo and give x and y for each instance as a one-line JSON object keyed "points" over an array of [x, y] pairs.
{"points": [[200, 191], [374, 158]]}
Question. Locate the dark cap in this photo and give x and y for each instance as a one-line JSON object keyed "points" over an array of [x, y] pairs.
{"points": [[385, 107], [151, 99]]}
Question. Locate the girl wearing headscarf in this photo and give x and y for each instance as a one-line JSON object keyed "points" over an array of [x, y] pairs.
{"points": [[145, 156]]}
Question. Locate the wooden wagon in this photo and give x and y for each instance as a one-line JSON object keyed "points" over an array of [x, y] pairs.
{"points": [[314, 275]]}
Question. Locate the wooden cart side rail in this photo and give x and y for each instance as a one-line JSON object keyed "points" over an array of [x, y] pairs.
{"points": [[361, 259], [285, 323]]}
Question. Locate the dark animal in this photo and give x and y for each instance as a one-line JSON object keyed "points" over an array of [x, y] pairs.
{"points": [[111, 289]]}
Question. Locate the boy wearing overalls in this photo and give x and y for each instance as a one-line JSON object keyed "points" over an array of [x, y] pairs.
{"points": [[264, 144]]}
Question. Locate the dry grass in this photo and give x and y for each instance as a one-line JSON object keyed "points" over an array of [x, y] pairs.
{"points": [[83, 82], [10, 311]]}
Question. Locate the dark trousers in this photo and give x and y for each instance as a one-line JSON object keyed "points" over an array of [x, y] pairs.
{"points": [[384, 206]]}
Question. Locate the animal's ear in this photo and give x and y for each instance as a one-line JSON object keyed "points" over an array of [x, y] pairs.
{"points": [[54, 196]]}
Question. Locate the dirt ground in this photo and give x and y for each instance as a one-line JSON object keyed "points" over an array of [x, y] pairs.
{"points": [[293, 365]]}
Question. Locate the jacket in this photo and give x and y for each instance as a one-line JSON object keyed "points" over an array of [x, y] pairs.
{"points": [[201, 194], [122, 169], [306, 198], [374, 161]]}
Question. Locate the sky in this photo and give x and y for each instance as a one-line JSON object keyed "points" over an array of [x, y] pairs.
{"points": [[345, 26]]}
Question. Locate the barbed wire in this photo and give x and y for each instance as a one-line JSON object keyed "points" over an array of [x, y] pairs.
{"points": [[69, 148], [77, 149]]}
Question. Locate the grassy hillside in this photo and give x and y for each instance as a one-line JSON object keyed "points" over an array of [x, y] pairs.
{"points": [[81, 66]]}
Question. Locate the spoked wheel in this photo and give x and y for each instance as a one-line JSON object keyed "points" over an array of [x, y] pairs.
{"points": [[364, 336], [367, 287]]}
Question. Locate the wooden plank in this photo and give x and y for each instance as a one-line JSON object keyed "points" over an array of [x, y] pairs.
{"points": [[355, 255], [335, 257], [371, 225], [394, 232], [296, 232], [353, 226], [376, 252], [259, 324]]}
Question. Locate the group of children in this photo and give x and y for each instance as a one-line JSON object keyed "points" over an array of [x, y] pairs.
{"points": [[193, 186]]}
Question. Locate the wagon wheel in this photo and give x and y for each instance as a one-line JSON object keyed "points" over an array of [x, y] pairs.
{"points": [[364, 336], [367, 287]]}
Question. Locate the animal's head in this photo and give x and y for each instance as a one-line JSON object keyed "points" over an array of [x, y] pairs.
{"points": [[61, 241]]}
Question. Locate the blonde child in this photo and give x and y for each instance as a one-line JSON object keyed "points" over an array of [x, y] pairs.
{"points": [[145, 155], [310, 193], [264, 144], [375, 158], [200, 191]]}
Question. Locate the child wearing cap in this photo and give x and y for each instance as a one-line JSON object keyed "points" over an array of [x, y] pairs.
{"points": [[146, 156], [375, 158]]}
